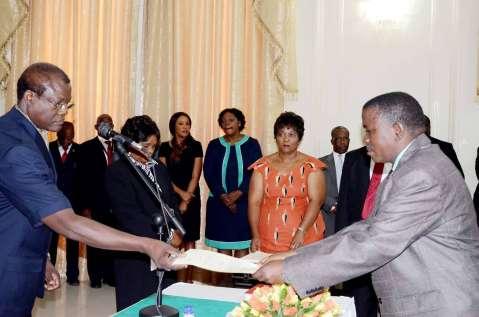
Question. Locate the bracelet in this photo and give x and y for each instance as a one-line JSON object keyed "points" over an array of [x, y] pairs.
{"points": [[301, 229]]}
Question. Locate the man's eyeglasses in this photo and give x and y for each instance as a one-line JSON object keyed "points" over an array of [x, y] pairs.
{"points": [[62, 107]]}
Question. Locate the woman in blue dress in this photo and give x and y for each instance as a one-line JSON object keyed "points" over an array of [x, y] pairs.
{"points": [[226, 173]]}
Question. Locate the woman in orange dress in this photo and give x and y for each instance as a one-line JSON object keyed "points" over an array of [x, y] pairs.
{"points": [[286, 192]]}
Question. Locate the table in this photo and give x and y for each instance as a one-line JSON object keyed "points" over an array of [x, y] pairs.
{"points": [[209, 301]]}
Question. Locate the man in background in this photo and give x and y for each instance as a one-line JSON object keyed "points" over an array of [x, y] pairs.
{"points": [[65, 157], [31, 203], [334, 162], [96, 155], [358, 170], [446, 147]]}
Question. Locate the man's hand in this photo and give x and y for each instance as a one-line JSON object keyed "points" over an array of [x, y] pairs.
{"points": [[163, 255], [271, 272], [52, 277]]}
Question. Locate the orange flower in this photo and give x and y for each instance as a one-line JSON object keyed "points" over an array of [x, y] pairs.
{"points": [[290, 311], [257, 304]]}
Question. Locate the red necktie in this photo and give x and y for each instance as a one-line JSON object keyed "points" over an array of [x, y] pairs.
{"points": [[65, 154], [372, 189], [109, 153]]}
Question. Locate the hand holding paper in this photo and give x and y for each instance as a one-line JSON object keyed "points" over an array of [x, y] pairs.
{"points": [[218, 262]]}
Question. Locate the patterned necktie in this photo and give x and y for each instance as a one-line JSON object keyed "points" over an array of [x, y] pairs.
{"points": [[65, 154], [109, 153], [372, 189]]}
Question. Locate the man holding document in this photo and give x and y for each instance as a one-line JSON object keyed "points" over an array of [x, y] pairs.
{"points": [[421, 241]]}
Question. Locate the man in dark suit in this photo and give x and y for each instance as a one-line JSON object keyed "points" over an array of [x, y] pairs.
{"points": [[446, 147], [333, 172], [352, 194], [31, 203], [65, 157], [95, 156]]}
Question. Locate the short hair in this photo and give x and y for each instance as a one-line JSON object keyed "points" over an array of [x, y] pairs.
{"points": [[399, 107], [336, 129], [37, 76], [140, 128], [292, 120], [66, 125], [235, 112]]}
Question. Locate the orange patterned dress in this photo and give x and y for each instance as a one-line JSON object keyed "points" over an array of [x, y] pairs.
{"points": [[285, 201]]}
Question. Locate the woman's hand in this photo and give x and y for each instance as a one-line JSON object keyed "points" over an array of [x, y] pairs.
{"points": [[186, 196], [176, 239], [298, 239], [255, 244], [183, 206]]}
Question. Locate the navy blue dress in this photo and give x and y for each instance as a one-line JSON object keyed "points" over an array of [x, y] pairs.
{"points": [[225, 170]]}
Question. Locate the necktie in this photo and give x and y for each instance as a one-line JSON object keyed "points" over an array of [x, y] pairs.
{"points": [[65, 154], [339, 169], [372, 189], [109, 153]]}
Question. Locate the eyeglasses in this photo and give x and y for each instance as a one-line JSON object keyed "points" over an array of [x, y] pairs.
{"points": [[60, 107]]}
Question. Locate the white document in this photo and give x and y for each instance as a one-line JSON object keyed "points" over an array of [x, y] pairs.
{"points": [[217, 262]]}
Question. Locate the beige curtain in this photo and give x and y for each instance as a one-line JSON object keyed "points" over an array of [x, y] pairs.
{"points": [[204, 56], [12, 14], [89, 39]]}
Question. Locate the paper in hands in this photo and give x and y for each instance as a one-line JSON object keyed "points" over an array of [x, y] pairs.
{"points": [[218, 262]]}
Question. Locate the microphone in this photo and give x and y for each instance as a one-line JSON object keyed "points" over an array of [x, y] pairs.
{"points": [[106, 131]]}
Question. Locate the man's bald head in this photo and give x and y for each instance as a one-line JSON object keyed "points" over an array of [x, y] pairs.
{"points": [[37, 77]]}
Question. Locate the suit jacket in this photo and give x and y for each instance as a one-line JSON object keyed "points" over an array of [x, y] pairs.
{"points": [[331, 193], [28, 193], [67, 172], [92, 166], [354, 187], [448, 149], [422, 242]]}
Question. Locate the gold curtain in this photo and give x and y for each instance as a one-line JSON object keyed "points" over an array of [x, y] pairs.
{"points": [[12, 14], [204, 56], [91, 41]]}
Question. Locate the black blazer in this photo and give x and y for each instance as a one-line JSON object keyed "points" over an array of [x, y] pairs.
{"points": [[92, 166], [67, 172], [354, 187], [132, 204], [448, 149]]}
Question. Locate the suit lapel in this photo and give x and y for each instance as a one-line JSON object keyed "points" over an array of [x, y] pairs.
{"points": [[332, 170]]}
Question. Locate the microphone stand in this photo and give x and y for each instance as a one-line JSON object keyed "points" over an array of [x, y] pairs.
{"points": [[160, 221]]}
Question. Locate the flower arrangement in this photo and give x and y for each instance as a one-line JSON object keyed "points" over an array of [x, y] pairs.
{"points": [[282, 301]]}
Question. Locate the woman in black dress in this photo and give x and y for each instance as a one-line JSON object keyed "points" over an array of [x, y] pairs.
{"points": [[133, 207], [183, 157]]}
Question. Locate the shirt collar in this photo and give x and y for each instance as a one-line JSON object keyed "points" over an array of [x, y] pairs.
{"points": [[400, 155], [29, 120]]}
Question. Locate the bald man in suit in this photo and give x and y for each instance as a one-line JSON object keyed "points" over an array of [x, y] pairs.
{"points": [[421, 242]]}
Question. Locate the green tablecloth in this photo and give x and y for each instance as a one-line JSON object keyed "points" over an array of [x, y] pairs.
{"points": [[201, 307]]}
